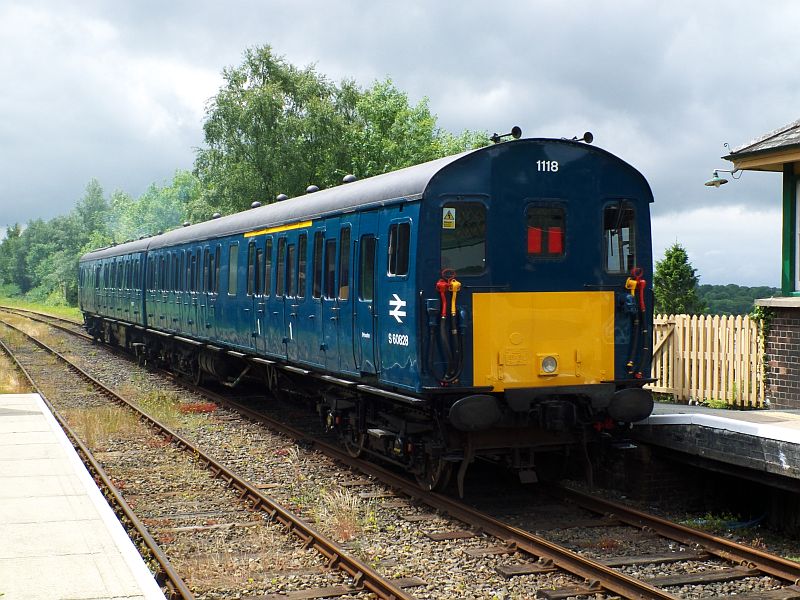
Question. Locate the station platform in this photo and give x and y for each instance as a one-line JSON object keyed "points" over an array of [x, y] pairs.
{"points": [[59, 539], [766, 442]]}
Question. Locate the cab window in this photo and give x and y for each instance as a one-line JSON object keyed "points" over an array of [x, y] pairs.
{"points": [[619, 237], [464, 238], [546, 231]]}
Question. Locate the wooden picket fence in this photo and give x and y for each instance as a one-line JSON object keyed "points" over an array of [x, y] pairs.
{"points": [[708, 358]]}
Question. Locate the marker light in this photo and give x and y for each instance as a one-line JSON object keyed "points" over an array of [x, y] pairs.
{"points": [[549, 365]]}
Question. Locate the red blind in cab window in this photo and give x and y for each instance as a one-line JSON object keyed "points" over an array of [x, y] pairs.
{"points": [[555, 240], [534, 240]]}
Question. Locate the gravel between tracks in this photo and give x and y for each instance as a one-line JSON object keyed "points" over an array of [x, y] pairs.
{"points": [[367, 518]]}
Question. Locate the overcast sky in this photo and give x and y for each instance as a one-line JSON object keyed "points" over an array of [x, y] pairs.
{"points": [[117, 90]]}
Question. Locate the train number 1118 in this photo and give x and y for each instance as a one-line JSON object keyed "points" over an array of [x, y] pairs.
{"points": [[547, 166]]}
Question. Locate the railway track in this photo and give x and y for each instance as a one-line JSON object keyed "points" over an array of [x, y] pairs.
{"points": [[696, 559], [41, 370]]}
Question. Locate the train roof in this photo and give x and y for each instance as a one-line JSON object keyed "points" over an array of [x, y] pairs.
{"points": [[406, 184], [403, 184]]}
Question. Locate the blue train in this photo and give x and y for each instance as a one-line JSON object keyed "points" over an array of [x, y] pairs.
{"points": [[495, 303]]}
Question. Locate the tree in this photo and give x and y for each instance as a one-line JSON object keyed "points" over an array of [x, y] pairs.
{"points": [[273, 128], [675, 284]]}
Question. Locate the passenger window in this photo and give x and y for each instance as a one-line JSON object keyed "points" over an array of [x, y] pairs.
{"points": [[399, 239], [280, 274], [546, 231], [366, 268], [193, 284], [619, 237], [464, 238], [302, 253], [216, 269], [268, 268], [251, 267], [344, 264], [316, 283], [330, 268], [233, 268], [291, 288], [206, 270], [257, 287]]}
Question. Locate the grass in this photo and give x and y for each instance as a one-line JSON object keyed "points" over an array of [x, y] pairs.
{"points": [[96, 426], [11, 380], [66, 312], [345, 514]]}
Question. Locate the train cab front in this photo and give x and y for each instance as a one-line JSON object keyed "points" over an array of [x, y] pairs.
{"points": [[543, 302]]}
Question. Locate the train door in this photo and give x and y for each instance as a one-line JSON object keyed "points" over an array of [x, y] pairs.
{"points": [[348, 233], [193, 312], [212, 290], [301, 329], [262, 305], [276, 336], [291, 303], [255, 291], [176, 310], [364, 327], [310, 310], [200, 321], [330, 308]]}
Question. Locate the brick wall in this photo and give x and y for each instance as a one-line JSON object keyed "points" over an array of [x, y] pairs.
{"points": [[783, 359]]}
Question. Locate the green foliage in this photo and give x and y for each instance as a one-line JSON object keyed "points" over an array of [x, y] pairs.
{"points": [[675, 284], [732, 299], [274, 128]]}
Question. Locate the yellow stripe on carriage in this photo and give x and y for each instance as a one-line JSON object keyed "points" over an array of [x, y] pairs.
{"points": [[278, 229]]}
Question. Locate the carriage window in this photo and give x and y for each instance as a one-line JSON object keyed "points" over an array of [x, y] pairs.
{"points": [[344, 264], [546, 231], [251, 267], [206, 270], [619, 237], [366, 268], [464, 238], [316, 284], [330, 268], [268, 269], [291, 288], [257, 287], [399, 237], [216, 269], [280, 274], [302, 252], [233, 268]]}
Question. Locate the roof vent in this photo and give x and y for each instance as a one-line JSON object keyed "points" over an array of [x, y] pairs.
{"points": [[216, 216], [311, 189], [349, 178], [281, 197], [186, 223], [255, 204]]}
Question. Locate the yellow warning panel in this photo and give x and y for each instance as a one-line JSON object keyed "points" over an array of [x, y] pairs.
{"points": [[537, 339], [448, 218]]}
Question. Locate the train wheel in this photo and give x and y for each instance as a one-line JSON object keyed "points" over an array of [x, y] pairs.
{"points": [[436, 474], [354, 443]]}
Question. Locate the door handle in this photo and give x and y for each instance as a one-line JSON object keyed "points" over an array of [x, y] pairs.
{"points": [[311, 316]]}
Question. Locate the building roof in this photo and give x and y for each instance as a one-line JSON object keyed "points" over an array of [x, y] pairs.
{"points": [[782, 138], [770, 152]]}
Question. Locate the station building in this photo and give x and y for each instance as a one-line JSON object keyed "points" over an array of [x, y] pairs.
{"points": [[779, 151]]}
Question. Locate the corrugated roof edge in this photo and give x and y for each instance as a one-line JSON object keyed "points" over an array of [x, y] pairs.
{"points": [[742, 149]]}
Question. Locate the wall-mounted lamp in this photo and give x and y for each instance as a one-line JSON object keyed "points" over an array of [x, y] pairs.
{"points": [[717, 181]]}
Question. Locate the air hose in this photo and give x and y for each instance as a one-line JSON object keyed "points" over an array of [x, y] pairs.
{"points": [[451, 343]]}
